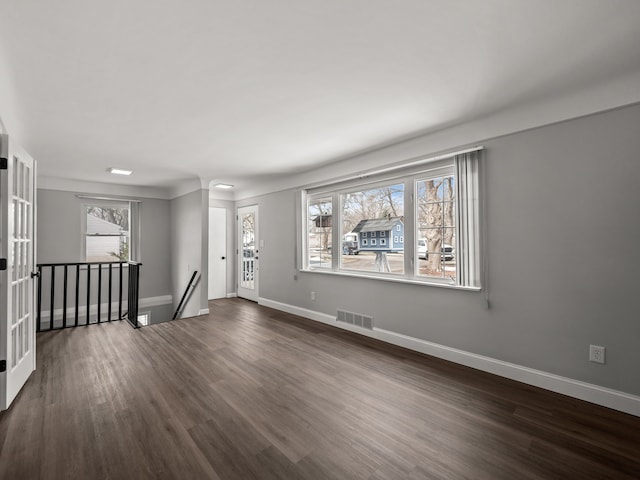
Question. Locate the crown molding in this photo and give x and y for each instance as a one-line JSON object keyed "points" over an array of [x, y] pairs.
{"points": [[69, 185]]}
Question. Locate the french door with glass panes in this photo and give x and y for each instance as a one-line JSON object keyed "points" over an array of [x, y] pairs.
{"points": [[17, 259], [248, 253]]}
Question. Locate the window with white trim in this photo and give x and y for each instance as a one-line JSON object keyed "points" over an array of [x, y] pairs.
{"points": [[110, 231], [319, 231], [365, 212], [431, 206]]}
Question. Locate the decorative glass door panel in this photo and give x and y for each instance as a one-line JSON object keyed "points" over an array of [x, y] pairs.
{"points": [[17, 204], [248, 253]]}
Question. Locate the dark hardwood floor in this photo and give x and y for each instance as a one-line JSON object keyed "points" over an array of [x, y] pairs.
{"points": [[252, 393]]}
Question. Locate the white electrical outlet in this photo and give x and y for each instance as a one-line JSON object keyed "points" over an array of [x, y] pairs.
{"points": [[596, 354], [313, 295]]}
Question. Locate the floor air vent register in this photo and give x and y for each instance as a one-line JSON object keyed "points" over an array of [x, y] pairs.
{"points": [[356, 319]]}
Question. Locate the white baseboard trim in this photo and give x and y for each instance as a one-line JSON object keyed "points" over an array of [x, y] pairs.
{"points": [[232, 295], [606, 397], [146, 302], [155, 301], [203, 311]]}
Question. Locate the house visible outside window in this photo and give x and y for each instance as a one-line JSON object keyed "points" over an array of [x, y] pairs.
{"points": [[431, 211], [366, 212], [110, 232]]}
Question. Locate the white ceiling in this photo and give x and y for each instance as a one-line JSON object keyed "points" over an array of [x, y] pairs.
{"points": [[239, 91]]}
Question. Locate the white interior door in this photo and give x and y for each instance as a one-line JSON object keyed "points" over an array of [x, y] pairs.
{"points": [[217, 253], [248, 254], [17, 251]]}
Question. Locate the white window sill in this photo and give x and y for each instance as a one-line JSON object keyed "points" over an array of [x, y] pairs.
{"points": [[373, 276]]}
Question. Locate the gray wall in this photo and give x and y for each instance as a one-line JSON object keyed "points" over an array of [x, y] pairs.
{"points": [[59, 237], [563, 245], [189, 248]]}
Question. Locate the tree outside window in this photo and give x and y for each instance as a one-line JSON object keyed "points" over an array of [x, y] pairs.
{"points": [[107, 235]]}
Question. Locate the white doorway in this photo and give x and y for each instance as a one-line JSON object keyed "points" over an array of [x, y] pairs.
{"points": [[248, 253], [17, 260], [217, 253]]}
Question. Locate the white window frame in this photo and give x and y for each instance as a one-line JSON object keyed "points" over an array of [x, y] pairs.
{"points": [[466, 166], [133, 207], [373, 242], [383, 241]]}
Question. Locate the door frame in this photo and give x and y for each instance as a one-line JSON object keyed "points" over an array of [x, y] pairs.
{"points": [[248, 264]]}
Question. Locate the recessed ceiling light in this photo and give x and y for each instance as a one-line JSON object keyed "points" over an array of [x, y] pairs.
{"points": [[223, 185], [120, 171]]}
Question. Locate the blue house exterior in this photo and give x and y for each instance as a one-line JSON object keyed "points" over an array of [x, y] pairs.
{"points": [[380, 234]]}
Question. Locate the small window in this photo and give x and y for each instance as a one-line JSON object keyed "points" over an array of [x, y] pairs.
{"points": [[373, 241], [383, 234], [364, 241], [364, 234], [401, 239], [396, 239], [398, 228], [383, 241], [109, 232]]}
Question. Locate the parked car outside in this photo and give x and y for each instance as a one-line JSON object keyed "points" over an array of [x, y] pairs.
{"points": [[350, 247], [448, 252]]}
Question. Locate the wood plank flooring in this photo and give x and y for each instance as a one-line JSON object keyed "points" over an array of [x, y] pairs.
{"points": [[252, 393]]}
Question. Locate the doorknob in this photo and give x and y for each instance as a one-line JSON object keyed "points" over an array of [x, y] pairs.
{"points": [[223, 258], [35, 274]]}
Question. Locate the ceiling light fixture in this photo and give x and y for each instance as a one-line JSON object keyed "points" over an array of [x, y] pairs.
{"points": [[223, 185], [119, 171]]}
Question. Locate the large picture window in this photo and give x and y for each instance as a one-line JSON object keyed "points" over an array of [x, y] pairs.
{"points": [[417, 223]]}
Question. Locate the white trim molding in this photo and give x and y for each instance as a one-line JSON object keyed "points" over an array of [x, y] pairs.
{"points": [[605, 397], [203, 311], [97, 188], [146, 302], [155, 301]]}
